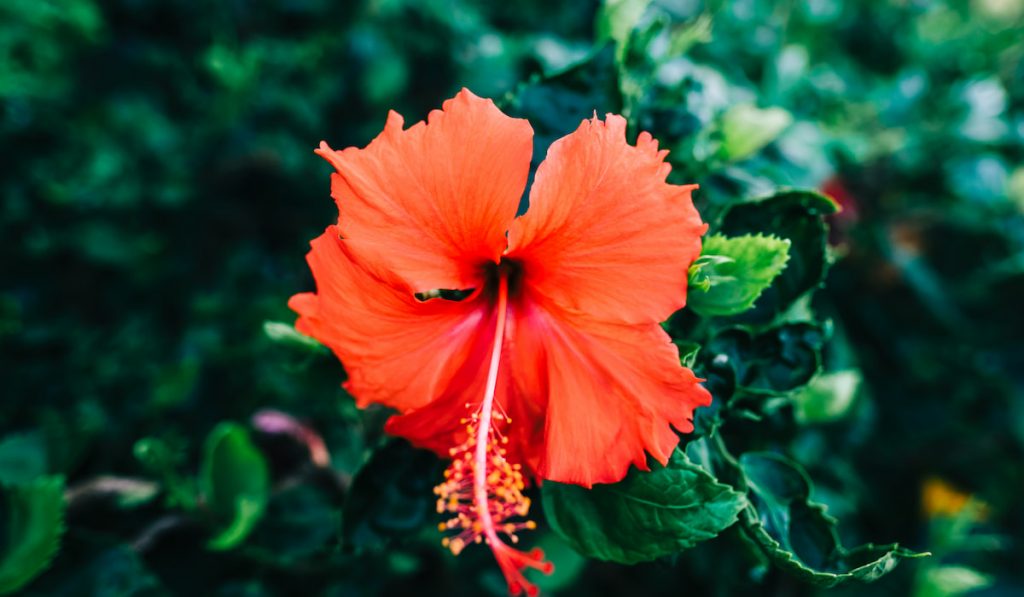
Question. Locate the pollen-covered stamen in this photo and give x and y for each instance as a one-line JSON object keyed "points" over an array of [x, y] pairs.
{"points": [[482, 490]]}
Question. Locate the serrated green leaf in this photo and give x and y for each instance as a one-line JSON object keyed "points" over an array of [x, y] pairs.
{"points": [[746, 129], [797, 534], [389, 498], [30, 530], [797, 216], [646, 516], [741, 269], [236, 483]]}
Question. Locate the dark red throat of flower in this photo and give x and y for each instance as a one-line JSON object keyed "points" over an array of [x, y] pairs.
{"points": [[483, 491]]}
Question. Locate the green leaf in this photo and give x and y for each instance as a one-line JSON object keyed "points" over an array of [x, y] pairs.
{"points": [[390, 497], [778, 360], [738, 271], [950, 581], [688, 352], [30, 530], [284, 333], [799, 217], [746, 129], [797, 534], [236, 483], [828, 397], [247, 514], [646, 516], [22, 457]]}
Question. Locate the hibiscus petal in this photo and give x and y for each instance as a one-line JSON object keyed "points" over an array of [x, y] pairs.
{"points": [[614, 391], [397, 351], [605, 234], [432, 203], [441, 424]]}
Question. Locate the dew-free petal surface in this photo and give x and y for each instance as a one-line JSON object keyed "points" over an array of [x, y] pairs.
{"points": [[604, 233], [397, 350], [431, 203], [610, 392]]}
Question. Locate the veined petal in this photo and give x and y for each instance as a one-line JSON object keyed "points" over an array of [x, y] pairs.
{"points": [[431, 203], [441, 424], [398, 351], [612, 393], [605, 234]]}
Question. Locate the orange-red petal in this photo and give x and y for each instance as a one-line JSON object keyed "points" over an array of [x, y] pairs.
{"points": [[612, 393], [440, 424], [605, 234], [397, 350], [431, 203]]}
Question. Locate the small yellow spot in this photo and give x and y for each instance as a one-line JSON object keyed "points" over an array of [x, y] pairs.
{"points": [[940, 498]]}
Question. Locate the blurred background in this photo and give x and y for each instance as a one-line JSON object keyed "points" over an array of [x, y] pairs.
{"points": [[159, 191]]}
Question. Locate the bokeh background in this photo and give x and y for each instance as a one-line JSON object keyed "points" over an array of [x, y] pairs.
{"points": [[159, 191]]}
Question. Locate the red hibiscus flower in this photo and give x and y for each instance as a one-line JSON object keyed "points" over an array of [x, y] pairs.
{"points": [[550, 364]]}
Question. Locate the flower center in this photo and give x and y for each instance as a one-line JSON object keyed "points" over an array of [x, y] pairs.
{"points": [[481, 488], [508, 272]]}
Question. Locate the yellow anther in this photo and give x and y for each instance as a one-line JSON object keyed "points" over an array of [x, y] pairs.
{"points": [[456, 545]]}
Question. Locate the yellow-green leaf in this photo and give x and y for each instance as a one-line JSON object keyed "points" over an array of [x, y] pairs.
{"points": [[733, 272]]}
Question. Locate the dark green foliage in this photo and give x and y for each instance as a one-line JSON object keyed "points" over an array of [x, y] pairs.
{"points": [[391, 497], [777, 360], [158, 192], [797, 534]]}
